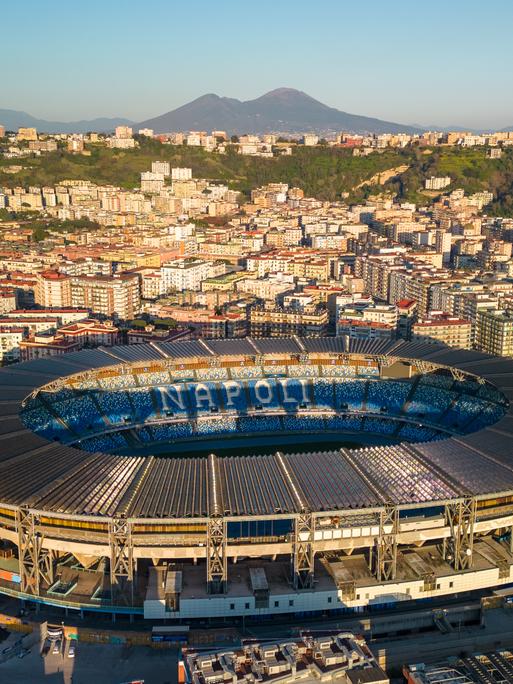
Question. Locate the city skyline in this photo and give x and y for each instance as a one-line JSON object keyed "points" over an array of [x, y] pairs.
{"points": [[122, 61]]}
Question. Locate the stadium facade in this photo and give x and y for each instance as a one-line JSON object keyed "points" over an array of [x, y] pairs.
{"points": [[102, 509]]}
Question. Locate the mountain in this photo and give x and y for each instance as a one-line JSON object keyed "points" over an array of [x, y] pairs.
{"points": [[12, 120], [283, 110]]}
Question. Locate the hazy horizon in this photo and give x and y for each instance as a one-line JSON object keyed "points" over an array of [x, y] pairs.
{"points": [[440, 65]]}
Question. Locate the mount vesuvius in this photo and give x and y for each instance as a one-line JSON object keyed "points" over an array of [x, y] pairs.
{"points": [[284, 110]]}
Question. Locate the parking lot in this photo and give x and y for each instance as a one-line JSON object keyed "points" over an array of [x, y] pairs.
{"points": [[100, 664]]}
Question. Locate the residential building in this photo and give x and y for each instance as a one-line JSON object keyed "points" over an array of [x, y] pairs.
{"points": [[442, 327], [160, 167], [343, 658], [90, 333], [278, 321], [310, 139], [53, 289], [10, 340], [365, 330], [152, 334], [25, 133], [152, 182], [495, 332], [437, 182], [116, 296], [181, 174], [46, 344], [184, 274], [123, 132]]}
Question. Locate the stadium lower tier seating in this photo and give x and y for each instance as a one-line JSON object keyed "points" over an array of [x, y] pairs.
{"points": [[225, 427]]}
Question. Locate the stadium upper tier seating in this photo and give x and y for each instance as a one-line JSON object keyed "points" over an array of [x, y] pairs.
{"points": [[114, 413]]}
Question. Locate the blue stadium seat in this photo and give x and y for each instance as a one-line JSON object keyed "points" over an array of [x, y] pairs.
{"points": [[304, 423], [324, 396], [429, 402], [217, 426], [352, 423], [380, 425], [115, 406], [80, 413], [143, 404], [349, 394], [233, 396], [259, 424], [264, 393], [387, 394]]}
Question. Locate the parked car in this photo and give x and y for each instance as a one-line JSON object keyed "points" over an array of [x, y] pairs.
{"points": [[71, 649]]}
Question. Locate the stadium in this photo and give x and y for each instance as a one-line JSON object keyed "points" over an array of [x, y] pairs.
{"points": [[255, 477]]}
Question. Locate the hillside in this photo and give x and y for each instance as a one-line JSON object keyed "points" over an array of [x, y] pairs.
{"points": [[321, 172], [282, 110]]}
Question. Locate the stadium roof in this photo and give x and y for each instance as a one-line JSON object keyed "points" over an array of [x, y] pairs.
{"points": [[49, 476]]}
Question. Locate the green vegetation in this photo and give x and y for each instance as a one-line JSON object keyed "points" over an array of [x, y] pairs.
{"points": [[469, 169], [321, 172]]}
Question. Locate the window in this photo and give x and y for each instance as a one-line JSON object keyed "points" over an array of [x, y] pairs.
{"points": [[232, 606], [291, 602], [329, 599], [451, 584], [276, 604], [246, 606]]}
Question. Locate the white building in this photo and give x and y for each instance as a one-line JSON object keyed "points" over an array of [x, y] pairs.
{"points": [[10, 339], [181, 173], [310, 139], [184, 274], [151, 182], [437, 182], [160, 167]]}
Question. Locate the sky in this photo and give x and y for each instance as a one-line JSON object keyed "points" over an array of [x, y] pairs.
{"points": [[441, 62]]}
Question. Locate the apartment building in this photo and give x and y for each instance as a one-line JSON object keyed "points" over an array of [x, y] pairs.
{"points": [[26, 133], [280, 322], [181, 173], [116, 296], [46, 344], [495, 332], [444, 328], [185, 274], [365, 330], [10, 340], [437, 182], [152, 182], [53, 289], [161, 167], [90, 333]]}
